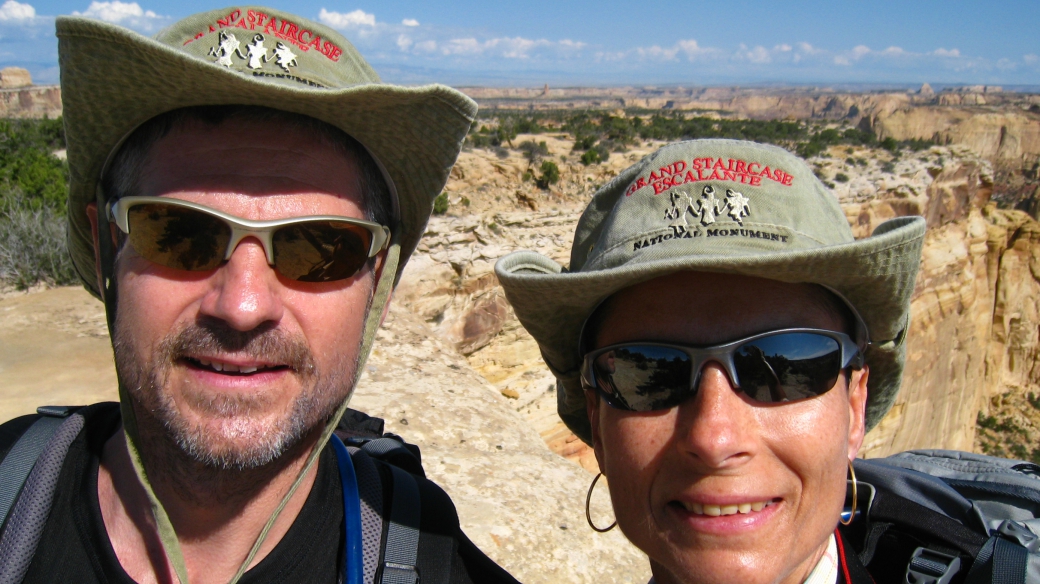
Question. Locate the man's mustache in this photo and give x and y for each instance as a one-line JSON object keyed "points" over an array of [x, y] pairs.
{"points": [[212, 337]]}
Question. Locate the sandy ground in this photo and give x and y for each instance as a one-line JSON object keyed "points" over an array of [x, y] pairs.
{"points": [[54, 349]]}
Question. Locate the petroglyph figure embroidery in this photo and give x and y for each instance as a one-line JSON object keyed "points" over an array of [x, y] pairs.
{"points": [[285, 58], [681, 202], [738, 205], [228, 45], [256, 52], [707, 209], [708, 206]]}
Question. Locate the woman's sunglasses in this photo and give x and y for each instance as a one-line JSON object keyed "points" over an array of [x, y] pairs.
{"points": [[187, 236], [773, 367]]}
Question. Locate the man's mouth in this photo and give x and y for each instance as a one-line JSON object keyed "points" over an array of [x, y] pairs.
{"points": [[722, 510], [229, 368]]}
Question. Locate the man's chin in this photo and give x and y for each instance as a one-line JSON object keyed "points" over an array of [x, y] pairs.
{"points": [[241, 441]]}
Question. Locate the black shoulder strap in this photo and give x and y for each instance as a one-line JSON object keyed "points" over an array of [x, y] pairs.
{"points": [[19, 462]]}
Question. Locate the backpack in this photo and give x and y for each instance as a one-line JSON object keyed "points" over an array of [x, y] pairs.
{"points": [[29, 476], [944, 516]]}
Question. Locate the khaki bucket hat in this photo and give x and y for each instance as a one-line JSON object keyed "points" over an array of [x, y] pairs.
{"points": [[113, 80], [721, 206]]}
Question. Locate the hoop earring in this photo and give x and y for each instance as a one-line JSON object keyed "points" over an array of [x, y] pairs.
{"points": [[588, 515], [852, 514]]}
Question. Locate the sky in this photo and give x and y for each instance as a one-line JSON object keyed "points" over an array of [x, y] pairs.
{"points": [[610, 42]]}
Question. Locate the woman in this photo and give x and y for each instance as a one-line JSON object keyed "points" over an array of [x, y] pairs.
{"points": [[723, 343]]}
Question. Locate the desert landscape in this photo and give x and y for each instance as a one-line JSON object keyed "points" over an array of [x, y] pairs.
{"points": [[455, 373]]}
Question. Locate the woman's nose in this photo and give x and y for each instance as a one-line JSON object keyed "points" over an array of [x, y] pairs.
{"points": [[716, 426]]}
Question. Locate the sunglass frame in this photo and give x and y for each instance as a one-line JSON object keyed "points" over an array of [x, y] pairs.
{"points": [[851, 357], [119, 210]]}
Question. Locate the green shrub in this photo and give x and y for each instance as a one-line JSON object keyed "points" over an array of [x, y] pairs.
{"points": [[550, 175], [841, 177], [533, 151], [590, 157], [440, 204]]}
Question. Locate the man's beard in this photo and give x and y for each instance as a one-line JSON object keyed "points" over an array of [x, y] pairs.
{"points": [[242, 444]]}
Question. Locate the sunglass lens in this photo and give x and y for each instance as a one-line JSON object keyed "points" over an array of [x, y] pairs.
{"points": [[321, 251], [177, 237], [644, 378], [788, 366]]}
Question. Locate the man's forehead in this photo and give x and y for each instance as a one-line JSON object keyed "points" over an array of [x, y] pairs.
{"points": [[250, 157]]}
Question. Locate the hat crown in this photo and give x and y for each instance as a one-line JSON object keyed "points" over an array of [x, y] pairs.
{"points": [[708, 197], [270, 45]]}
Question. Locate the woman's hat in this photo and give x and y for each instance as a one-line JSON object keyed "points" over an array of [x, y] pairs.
{"points": [[113, 80], [723, 206]]}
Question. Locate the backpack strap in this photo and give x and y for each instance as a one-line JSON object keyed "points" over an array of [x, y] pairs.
{"points": [[402, 536], [999, 562], [20, 459], [24, 527]]}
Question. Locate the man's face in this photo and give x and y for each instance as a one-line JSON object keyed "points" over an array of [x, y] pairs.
{"points": [[719, 448], [239, 363]]}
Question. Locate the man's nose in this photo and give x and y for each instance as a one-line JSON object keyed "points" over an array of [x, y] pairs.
{"points": [[245, 291], [716, 426]]}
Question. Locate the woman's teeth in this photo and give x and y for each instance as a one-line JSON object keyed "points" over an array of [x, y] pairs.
{"points": [[719, 510]]}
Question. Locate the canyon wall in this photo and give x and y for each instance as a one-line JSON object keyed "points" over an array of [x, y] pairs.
{"points": [[975, 312]]}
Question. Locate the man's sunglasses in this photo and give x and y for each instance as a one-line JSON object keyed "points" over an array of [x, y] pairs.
{"points": [[188, 236], [773, 367]]}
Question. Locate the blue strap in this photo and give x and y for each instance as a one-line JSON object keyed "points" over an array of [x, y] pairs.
{"points": [[353, 562]]}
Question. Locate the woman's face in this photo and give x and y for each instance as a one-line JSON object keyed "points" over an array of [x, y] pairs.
{"points": [[719, 449]]}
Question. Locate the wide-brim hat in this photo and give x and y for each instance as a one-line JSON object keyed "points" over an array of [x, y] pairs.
{"points": [[113, 80], [722, 206]]}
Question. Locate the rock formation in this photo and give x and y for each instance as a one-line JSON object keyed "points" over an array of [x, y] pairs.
{"points": [[14, 78]]}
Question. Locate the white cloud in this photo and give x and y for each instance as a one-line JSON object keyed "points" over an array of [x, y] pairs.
{"points": [[784, 48], [894, 52], [410, 22], [859, 51], [1031, 58], [502, 47], [758, 54], [116, 11], [128, 14], [12, 10], [941, 52], [347, 19]]}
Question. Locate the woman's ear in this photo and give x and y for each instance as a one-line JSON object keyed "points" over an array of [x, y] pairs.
{"points": [[592, 401], [857, 409]]}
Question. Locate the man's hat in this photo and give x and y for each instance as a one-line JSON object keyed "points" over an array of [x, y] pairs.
{"points": [[113, 80], [722, 206]]}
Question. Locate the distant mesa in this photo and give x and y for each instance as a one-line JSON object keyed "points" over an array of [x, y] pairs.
{"points": [[14, 78], [926, 91]]}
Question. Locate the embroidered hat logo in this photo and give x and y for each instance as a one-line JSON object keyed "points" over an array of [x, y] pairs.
{"points": [[707, 208], [256, 53]]}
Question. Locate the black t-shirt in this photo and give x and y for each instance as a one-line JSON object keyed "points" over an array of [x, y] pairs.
{"points": [[75, 547]]}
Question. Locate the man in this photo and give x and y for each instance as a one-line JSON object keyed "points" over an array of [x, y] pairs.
{"points": [[244, 215]]}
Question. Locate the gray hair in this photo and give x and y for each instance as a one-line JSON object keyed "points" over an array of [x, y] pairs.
{"points": [[122, 178]]}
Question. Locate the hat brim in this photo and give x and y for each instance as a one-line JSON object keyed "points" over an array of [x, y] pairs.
{"points": [[113, 80], [875, 275]]}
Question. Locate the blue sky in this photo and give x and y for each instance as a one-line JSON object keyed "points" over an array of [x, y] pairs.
{"points": [[609, 42]]}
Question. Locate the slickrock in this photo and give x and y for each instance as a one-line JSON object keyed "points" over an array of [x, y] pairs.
{"points": [[518, 501], [14, 78]]}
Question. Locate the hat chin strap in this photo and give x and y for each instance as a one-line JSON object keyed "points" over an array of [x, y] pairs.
{"points": [[167, 535]]}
